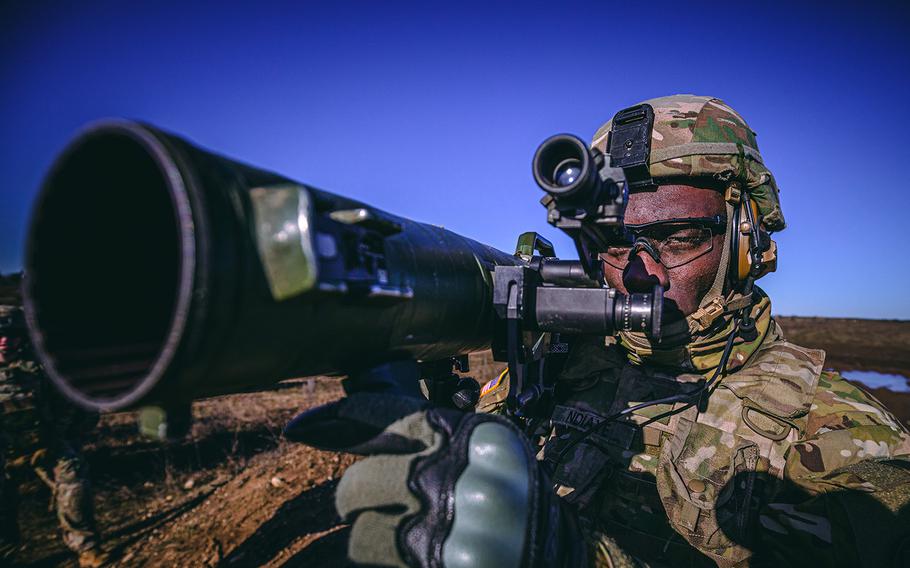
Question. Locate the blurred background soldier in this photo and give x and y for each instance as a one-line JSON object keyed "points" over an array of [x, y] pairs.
{"points": [[38, 428]]}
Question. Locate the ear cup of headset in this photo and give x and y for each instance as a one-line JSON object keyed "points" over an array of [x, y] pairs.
{"points": [[740, 250], [740, 263]]}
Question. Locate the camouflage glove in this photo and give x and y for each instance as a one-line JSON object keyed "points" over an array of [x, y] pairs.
{"points": [[441, 488]]}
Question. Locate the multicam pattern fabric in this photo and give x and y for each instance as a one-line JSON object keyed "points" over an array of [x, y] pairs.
{"points": [[695, 136], [19, 383], [783, 462]]}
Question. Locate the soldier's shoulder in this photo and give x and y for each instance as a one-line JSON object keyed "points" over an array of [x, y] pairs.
{"points": [[23, 366], [840, 404], [22, 374], [780, 379], [845, 426]]}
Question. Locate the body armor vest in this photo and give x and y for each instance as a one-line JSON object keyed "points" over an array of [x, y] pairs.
{"points": [[671, 478]]}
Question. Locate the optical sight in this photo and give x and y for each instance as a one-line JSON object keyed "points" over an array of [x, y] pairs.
{"points": [[564, 167]]}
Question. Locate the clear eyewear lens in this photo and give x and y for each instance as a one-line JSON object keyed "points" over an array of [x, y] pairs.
{"points": [[676, 248], [616, 256]]}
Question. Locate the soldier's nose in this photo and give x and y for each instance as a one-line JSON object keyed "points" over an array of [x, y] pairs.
{"points": [[643, 272]]}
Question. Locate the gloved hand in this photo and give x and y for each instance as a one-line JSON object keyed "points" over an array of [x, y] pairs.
{"points": [[441, 488]]}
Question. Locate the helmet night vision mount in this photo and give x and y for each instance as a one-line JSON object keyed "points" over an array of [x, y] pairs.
{"points": [[587, 190]]}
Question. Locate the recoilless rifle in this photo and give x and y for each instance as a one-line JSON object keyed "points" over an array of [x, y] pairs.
{"points": [[158, 272]]}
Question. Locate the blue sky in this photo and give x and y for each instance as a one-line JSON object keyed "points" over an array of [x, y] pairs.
{"points": [[433, 110]]}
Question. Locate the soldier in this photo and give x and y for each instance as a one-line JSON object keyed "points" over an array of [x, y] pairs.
{"points": [[749, 453], [42, 429]]}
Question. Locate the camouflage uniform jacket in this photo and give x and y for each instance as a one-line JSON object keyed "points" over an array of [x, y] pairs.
{"points": [[21, 385], [783, 462], [35, 416]]}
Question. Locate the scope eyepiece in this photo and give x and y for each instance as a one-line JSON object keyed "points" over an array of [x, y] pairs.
{"points": [[567, 172], [564, 166]]}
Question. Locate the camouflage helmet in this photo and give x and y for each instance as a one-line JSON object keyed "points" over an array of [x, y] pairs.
{"points": [[12, 321], [703, 137]]}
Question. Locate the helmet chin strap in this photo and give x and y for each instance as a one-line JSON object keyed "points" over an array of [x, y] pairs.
{"points": [[720, 277]]}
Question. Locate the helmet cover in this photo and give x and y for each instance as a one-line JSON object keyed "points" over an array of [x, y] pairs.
{"points": [[703, 137]]}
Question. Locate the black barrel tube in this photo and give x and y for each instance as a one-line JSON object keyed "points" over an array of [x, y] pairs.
{"points": [[597, 311], [157, 271]]}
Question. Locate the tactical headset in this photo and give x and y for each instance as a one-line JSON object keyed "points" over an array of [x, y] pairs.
{"points": [[752, 251]]}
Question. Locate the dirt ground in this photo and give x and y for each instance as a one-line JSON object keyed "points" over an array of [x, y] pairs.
{"points": [[232, 493], [235, 493]]}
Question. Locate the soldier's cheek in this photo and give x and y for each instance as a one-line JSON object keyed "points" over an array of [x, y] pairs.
{"points": [[613, 277], [690, 283]]}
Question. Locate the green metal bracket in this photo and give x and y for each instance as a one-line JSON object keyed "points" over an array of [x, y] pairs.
{"points": [[530, 242]]}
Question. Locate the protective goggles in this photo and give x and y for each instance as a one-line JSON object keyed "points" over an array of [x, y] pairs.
{"points": [[672, 242]]}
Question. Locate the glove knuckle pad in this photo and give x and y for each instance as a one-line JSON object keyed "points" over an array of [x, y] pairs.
{"points": [[493, 491]]}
